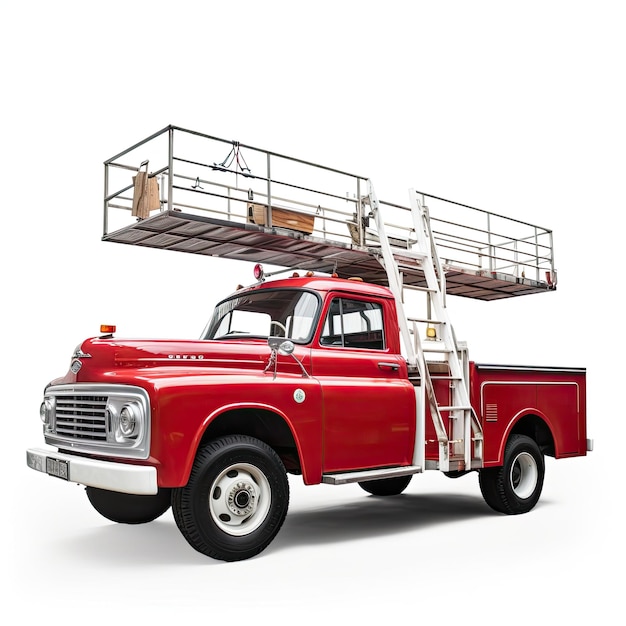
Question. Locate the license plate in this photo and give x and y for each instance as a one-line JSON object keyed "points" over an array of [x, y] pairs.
{"points": [[58, 468]]}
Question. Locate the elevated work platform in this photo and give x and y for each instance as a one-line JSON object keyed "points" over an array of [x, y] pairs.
{"points": [[263, 207]]}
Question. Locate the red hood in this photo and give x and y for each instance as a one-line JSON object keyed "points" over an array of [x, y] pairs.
{"points": [[98, 356]]}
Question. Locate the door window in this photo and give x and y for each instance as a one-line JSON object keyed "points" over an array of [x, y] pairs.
{"points": [[354, 324]]}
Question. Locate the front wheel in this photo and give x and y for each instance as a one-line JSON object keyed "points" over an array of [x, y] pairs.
{"points": [[236, 499], [126, 508], [515, 487]]}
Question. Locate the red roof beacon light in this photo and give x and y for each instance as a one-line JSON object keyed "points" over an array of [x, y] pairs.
{"points": [[258, 272]]}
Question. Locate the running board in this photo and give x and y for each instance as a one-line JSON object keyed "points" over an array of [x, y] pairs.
{"points": [[377, 474]]}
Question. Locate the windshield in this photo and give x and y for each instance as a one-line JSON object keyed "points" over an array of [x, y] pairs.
{"points": [[289, 313]]}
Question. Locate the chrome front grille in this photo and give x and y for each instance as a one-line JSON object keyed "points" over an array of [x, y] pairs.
{"points": [[81, 417], [85, 417]]}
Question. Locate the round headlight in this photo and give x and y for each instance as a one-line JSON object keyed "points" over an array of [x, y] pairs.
{"points": [[45, 411], [128, 421]]}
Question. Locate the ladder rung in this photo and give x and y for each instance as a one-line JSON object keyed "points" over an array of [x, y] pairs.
{"points": [[445, 377], [424, 321], [418, 288], [405, 253], [442, 350], [455, 408]]}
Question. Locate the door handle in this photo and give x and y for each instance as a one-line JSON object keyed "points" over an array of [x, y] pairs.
{"points": [[394, 366]]}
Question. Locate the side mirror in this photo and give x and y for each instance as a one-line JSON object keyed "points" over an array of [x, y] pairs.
{"points": [[281, 345], [285, 347]]}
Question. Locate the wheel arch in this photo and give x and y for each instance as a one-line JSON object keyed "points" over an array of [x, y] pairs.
{"points": [[258, 421], [533, 424]]}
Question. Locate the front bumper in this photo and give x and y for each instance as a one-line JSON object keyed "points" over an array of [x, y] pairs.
{"points": [[122, 477]]}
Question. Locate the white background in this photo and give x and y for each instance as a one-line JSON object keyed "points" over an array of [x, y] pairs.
{"points": [[517, 108]]}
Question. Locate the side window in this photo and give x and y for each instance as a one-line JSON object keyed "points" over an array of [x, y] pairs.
{"points": [[354, 324]]}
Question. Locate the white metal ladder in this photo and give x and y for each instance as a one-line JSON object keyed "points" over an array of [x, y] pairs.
{"points": [[460, 441]]}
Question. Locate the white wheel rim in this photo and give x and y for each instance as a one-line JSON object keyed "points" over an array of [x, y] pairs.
{"points": [[240, 499], [524, 475]]}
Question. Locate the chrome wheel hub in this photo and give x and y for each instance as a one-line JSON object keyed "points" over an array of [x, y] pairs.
{"points": [[239, 499], [524, 475]]}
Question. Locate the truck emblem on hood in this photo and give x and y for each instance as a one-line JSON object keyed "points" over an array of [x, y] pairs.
{"points": [[186, 356], [76, 363]]}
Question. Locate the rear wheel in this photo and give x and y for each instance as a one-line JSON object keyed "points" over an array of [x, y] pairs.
{"points": [[236, 499], [515, 487], [386, 486], [126, 508]]}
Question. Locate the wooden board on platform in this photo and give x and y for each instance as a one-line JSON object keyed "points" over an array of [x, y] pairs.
{"points": [[282, 218]]}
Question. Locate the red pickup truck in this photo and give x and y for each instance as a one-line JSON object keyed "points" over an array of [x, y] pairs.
{"points": [[301, 375]]}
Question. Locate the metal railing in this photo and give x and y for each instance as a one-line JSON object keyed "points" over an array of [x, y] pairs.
{"points": [[237, 183], [488, 242]]}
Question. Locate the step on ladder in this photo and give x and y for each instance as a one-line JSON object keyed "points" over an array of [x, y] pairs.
{"points": [[459, 432]]}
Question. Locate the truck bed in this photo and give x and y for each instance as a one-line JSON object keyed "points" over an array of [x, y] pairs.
{"points": [[507, 394]]}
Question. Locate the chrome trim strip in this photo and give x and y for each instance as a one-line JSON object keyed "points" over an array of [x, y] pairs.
{"points": [[557, 383], [343, 478], [530, 368]]}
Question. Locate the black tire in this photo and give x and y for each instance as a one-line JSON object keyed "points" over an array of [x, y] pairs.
{"points": [[235, 501], [126, 508], [386, 486], [515, 487]]}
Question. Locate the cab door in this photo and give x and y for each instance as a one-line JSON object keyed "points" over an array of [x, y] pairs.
{"points": [[369, 404]]}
